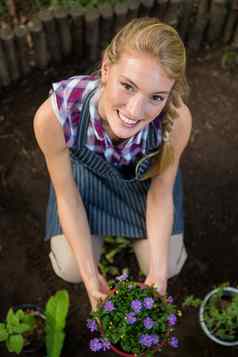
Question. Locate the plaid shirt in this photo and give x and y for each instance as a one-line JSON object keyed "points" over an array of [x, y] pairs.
{"points": [[67, 97]]}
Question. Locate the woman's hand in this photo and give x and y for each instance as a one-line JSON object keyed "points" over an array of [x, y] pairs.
{"points": [[158, 281], [97, 290]]}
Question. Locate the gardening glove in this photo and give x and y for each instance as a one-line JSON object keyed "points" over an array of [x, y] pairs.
{"points": [[158, 281]]}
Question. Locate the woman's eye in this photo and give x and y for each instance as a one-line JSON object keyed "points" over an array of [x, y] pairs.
{"points": [[157, 98], [127, 86]]}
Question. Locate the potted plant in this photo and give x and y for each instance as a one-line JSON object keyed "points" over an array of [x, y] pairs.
{"points": [[26, 328], [22, 329], [218, 314], [134, 320]]}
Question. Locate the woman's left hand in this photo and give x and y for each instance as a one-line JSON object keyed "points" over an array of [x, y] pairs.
{"points": [[158, 281]]}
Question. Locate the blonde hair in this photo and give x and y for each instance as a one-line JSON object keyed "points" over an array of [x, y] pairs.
{"points": [[149, 35]]}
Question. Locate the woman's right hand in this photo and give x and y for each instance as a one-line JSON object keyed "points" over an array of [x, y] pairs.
{"points": [[97, 290]]}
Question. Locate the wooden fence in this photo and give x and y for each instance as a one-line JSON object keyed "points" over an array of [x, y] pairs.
{"points": [[56, 34]]}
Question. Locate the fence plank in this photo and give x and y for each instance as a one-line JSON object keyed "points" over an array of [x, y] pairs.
{"points": [[77, 30], [146, 7], [217, 20], [63, 28], [196, 34], [52, 36], [38, 36], [186, 14], [133, 9], [231, 22], [173, 13], [23, 49], [8, 38], [4, 72], [120, 10], [106, 24], [92, 34], [161, 6]]}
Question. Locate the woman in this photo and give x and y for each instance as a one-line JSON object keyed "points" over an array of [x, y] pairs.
{"points": [[112, 144]]}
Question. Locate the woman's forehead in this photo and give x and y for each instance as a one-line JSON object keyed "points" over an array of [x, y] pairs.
{"points": [[144, 70]]}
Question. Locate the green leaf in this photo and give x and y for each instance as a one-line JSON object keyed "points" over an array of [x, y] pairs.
{"points": [[3, 332], [56, 313], [15, 343], [12, 318], [54, 343], [57, 309], [23, 328]]}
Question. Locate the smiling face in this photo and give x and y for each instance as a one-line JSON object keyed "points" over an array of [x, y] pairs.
{"points": [[134, 91]]}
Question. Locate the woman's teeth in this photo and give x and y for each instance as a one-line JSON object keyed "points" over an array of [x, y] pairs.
{"points": [[127, 120]]}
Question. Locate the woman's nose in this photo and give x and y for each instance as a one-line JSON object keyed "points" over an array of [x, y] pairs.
{"points": [[136, 107]]}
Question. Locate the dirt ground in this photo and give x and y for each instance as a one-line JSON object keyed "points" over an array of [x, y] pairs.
{"points": [[210, 174]]}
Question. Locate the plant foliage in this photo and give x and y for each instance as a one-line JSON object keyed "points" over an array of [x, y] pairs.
{"points": [[56, 312], [135, 318], [13, 329]]}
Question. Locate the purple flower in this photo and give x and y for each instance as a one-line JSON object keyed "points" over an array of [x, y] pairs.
{"points": [[122, 277], [95, 345], [174, 342], [172, 319], [148, 323], [136, 305], [131, 319], [106, 345], [148, 302], [92, 325], [170, 300], [155, 339], [108, 306], [146, 340]]}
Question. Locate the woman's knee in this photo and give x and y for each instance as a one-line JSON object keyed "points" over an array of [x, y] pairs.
{"points": [[63, 260], [176, 257]]}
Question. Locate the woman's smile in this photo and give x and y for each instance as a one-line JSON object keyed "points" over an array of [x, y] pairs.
{"points": [[127, 122]]}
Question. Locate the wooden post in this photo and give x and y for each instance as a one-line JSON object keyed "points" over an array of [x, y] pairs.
{"points": [[133, 9], [232, 20], [217, 20], [4, 72], [120, 10], [92, 34], [9, 45], [235, 38], [77, 15], [173, 13], [186, 13], [106, 24], [41, 54], [52, 36], [161, 8], [196, 34], [146, 7], [22, 49], [63, 28]]}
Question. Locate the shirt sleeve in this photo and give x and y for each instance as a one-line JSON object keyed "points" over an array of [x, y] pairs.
{"points": [[65, 99]]}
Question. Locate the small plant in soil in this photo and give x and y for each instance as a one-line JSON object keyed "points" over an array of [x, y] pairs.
{"points": [[134, 319], [28, 329], [21, 328], [219, 312]]}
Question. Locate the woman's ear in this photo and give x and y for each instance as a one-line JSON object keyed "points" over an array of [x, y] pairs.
{"points": [[105, 70]]}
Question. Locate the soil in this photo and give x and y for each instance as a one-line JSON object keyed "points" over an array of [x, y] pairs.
{"points": [[210, 174]]}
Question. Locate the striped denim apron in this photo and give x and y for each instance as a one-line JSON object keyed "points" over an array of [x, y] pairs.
{"points": [[114, 199]]}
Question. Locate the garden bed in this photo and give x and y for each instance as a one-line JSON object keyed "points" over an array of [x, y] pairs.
{"points": [[210, 183]]}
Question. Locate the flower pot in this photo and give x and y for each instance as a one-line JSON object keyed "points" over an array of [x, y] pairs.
{"points": [[133, 303], [227, 292], [35, 342]]}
